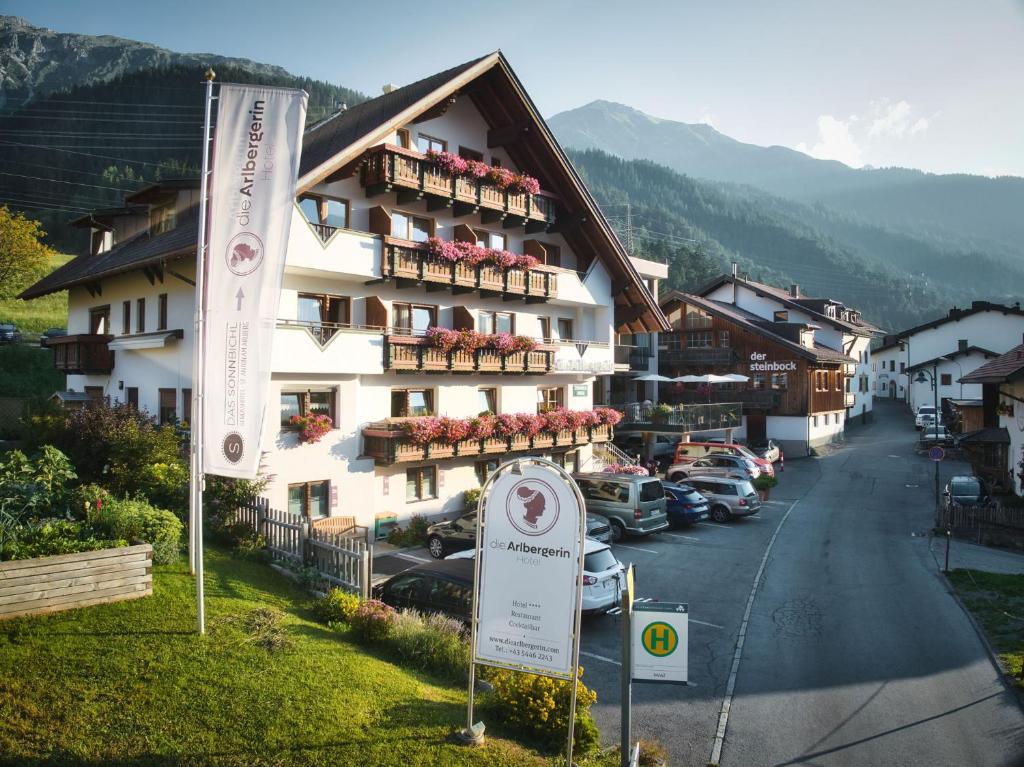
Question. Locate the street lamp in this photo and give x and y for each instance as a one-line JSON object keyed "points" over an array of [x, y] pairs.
{"points": [[934, 375]]}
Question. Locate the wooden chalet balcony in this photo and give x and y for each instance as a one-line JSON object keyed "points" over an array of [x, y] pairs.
{"points": [[410, 264], [707, 355], [82, 354], [387, 443], [391, 168], [418, 354]]}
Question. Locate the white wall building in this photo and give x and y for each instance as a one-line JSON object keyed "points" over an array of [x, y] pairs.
{"points": [[1002, 439], [360, 290]]}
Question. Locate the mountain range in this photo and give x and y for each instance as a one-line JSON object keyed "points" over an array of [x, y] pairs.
{"points": [[76, 133]]}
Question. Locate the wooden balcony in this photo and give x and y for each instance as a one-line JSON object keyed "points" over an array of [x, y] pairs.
{"points": [[410, 264], [390, 168], [82, 354], [387, 444], [417, 354]]}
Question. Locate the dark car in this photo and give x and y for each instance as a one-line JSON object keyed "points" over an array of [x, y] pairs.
{"points": [[936, 435], [51, 333], [965, 490], [444, 587], [443, 538], [684, 504], [9, 334]]}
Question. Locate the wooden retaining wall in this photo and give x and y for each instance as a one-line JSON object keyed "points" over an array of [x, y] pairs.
{"points": [[67, 581]]}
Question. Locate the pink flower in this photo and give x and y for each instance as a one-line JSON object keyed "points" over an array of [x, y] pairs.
{"points": [[525, 344], [312, 428], [422, 431], [450, 163], [444, 249], [445, 339], [526, 262], [530, 425], [504, 343], [482, 427], [477, 169], [624, 468], [525, 184], [501, 177], [453, 430], [471, 340], [607, 415], [507, 425], [577, 419], [556, 420]]}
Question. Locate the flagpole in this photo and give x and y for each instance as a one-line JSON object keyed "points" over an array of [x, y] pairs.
{"points": [[198, 365]]}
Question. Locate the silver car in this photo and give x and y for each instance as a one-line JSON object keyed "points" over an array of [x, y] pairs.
{"points": [[727, 497], [714, 465], [598, 528]]}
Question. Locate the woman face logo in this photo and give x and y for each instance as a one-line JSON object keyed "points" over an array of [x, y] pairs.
{"points": [[532, 507]]}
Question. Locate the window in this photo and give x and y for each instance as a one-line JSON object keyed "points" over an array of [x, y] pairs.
{"points": [[782, 315], [321, 210], [484, 469], [96, 241], [309, 499], [322, 313], [140, 316], [161, 312], [413, 318], [411, 402], [427, 143], [945, 379], [814, 421], [723, 339], [496, 322], [552, 254], [99, 320], [903, 367], [487, 400], [892, 365], [486, 239], [421, 483], [131, 397], [698, 339], [307, 402], [780, 380], [168, 406], [839, 378], [126, 317], [759, 382], [403, 138], [406, 226], [470, 154], [564, 329], [550, 398], [186, 405], [545, 328]]}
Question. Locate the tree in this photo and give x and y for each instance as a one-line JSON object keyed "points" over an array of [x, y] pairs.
{"points": [[22, 255]]}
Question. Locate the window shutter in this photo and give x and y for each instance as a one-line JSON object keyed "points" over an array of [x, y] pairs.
{"points": [[464, 233], [380, 221], [462, 319], [376, 312], [535, 249]]}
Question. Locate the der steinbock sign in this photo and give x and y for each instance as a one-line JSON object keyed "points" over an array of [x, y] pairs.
{"points": [[530, 571]]}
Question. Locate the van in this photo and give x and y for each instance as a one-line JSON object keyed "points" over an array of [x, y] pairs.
{"points": [[632, 504]]}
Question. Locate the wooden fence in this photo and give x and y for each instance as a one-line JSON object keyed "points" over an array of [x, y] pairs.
{"points": [[341, 560], [67, 581], [994, 524]]}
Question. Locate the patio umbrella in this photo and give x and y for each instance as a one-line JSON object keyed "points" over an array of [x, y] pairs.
{"points": [[708, 378], [653, 377], [737, 377]]}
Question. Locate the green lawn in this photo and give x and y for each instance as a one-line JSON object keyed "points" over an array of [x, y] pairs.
{"points": [[27, 371], [130, 683], [997, 601], [35, 316]]}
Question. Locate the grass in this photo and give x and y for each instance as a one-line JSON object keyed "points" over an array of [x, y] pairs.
{"points": [[997, 601], [39, 314], [27, 371], [132, 684]]}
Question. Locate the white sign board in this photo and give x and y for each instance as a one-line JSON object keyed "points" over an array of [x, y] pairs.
{"points": [[660, 643], [530, 564], [255, 162]]}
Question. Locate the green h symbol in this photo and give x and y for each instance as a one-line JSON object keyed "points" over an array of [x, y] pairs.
{"points": [[660, 638]]}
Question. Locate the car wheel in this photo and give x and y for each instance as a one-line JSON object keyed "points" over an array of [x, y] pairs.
{"points": [[677, 477], [618, 530], [435, 546], [721, 514]]}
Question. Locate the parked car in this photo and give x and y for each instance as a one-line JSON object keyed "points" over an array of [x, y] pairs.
{"points": [[767, 449], [632, 504], [691, 451], [602, 576], [444, 587], [455, 535], [684, 504], [51, 333], [965, 490], [9, 334], [598, 528], [715, 465], [936, 435], [632, 442], [925, 414], [727, 498]]}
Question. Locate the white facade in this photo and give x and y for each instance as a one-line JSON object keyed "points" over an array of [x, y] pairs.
{"points": [[1014, 425]]}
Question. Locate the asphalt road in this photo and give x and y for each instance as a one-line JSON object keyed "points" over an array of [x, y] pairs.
{"points": [[855, 653]]}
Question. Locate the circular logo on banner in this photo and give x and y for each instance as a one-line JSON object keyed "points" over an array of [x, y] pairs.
{"points": [[233, 447], [532, 506], [659, 639], [244, 254]]}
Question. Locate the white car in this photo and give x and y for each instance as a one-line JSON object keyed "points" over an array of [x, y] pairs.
{"points": [[603, 576], [925, 417]]}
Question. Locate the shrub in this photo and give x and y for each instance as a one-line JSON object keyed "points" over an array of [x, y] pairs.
{"points": [[49, 537], [35, 487], [136, 520], [430, 642], [413, 535], [223, 495], [373, 621], [764, 482], [336, 606], [87, 500], [539, 707], [471, 498]]}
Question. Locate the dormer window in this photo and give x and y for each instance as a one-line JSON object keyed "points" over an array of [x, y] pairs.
{"points": [[162, 218], [782, 315], [98, 241]]}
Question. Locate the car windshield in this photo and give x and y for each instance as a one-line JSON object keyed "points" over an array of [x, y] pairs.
{"points": [[745, 488], [652, 490], [684, 493], [966, 488], [925, 409], [599, 561]]}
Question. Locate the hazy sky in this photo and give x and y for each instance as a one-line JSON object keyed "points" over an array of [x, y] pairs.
{"points": [[931, 84]]}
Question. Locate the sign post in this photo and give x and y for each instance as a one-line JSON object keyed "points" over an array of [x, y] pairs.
{"points": [[529, 577], [625, 672]]}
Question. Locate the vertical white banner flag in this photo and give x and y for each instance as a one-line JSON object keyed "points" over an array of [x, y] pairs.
{"points": [[256, 151]]}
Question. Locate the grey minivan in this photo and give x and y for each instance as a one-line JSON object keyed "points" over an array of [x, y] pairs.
{"points": [[632, 504], [727, 497]]}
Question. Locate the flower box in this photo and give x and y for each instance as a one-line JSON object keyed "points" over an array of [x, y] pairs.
{"points": [[543, 440], [515, 362], [564, 437]]}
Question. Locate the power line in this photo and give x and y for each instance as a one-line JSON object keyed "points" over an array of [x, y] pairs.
{"points": [[58, 181], [68, 170], [88, 154], [29, 204], [36, 104], [98, 134]]}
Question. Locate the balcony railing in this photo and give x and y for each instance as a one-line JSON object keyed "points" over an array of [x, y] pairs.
{"points": [[681, 418], [324, 231], [636, 357], [387, 443], [751, 398], [389, 167], [409, 261], [704, 355], [83, 354], [417, 354]]}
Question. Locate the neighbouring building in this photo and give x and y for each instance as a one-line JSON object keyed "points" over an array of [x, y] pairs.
{"points": [[636, 354], [796, 392], [950, 347], [368, 273]]}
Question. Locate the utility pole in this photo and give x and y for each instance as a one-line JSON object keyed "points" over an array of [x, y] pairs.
{"points": [[629, 228]]}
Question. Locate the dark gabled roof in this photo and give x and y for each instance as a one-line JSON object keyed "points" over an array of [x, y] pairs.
{"points": [[970, 349], [159, 189], [956, 314], [1003, 369], [92, 219], [755, 324], [134, 253], [988, 435], [326, 139], [784, 297]]}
